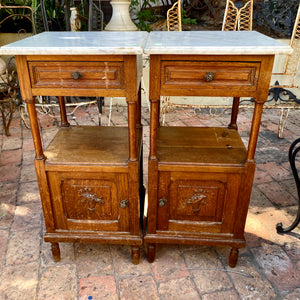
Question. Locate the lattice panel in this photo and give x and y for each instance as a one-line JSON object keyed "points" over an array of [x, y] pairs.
{"points": [[230, 17], [293, 59], [236, 18], [174, 17], [296, 30], [245, 16]]}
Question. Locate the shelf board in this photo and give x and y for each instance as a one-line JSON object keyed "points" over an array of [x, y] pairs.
{"points": [[89, 145], [200, 145]]}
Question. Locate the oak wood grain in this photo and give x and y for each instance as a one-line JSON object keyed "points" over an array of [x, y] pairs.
{"points": [[200, 178]]}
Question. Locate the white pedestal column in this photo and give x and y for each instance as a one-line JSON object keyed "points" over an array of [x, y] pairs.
{"points": [[120, 20]]}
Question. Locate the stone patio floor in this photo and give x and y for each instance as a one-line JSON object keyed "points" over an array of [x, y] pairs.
{"points": [[268, 268]]}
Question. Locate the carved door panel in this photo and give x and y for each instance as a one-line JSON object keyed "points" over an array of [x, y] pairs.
{"points": [[90, 201], [197, 202]]}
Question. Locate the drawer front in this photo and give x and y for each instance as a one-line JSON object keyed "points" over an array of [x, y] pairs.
{"points": [[80, 75], [90, 201], [209, 75], [197, 202]]}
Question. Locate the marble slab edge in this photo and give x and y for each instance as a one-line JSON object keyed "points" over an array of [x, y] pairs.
{"points": [[79, 43], [224, 51]]}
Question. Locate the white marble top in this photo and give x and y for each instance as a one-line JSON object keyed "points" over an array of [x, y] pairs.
{"points": [[213, 42], [79, 43]]}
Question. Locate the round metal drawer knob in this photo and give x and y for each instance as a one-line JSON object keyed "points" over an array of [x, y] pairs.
{"points": [[162, 202], [123, 203], [76, 75], [209, 76]]}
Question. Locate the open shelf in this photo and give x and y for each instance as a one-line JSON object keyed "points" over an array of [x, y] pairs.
{"points": [[89, 145], [200, 145]]}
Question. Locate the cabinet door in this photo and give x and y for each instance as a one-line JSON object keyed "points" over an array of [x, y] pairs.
{"points": [[90, 201], [197, 202]]}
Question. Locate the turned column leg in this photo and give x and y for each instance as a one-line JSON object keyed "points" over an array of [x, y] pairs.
{"points": [[55, 251], [234, 113], [63, 113], [233, 257], [139, 109], [151, 252], [135, 254]]}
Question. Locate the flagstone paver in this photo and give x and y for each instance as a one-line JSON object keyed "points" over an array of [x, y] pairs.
{"points": [[268, 268]]}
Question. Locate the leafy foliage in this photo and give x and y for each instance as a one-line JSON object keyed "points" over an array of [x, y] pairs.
{"points": [[277, 15], [186, 20], [145, 16]]}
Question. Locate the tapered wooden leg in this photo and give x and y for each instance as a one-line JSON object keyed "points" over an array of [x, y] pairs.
{"points": [[233, 257], [135, 254], [55, 251], [151, 252]]}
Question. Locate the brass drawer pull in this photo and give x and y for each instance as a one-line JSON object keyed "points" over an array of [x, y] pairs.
{"points": [[76, 75], [209, 76], [162, 202], [123, 203]]}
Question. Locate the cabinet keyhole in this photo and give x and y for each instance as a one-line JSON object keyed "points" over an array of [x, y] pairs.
{"points": [[123, 203], [162, 202]]}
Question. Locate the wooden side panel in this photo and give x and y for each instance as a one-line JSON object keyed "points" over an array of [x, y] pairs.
{"points": [[244, 199], [232, 200], [163, 202], [133, 194], [123, 195], [45, 195], [54, 182], [152, 196], [24, 78]]}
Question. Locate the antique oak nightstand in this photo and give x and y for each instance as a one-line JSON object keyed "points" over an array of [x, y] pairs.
{"points": [[89, 177], [200, 179]]}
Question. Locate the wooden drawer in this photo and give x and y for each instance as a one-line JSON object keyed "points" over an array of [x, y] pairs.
{"points": [[77, 74], [90, 201], [209, 75]]}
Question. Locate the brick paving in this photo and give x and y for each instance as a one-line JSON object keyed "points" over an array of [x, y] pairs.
{"points": [[268, 268]]}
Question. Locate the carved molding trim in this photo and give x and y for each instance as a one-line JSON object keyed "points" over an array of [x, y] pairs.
{"points": [[197, 200]]}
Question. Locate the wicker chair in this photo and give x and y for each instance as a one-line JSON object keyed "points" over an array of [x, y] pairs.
{"points": [[285, 79], [292, 61], [173, 24], [174, 17], [238, 16], [10, 98]]}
